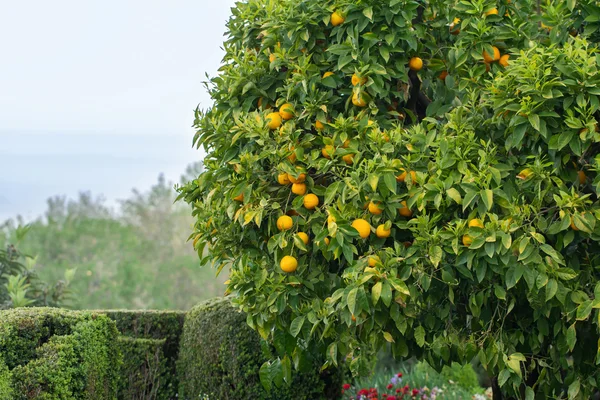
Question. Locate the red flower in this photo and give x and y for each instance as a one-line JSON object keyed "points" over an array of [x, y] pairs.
{"points": [[346, 386], [390, 386], [399, 374], [373, 390], [398, 390], [415, 392], [363, 392]]}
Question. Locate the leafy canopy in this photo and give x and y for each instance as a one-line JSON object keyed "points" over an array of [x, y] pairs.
{"points": [[473, 178]]}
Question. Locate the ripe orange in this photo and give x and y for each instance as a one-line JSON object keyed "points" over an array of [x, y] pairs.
{"points": [[524, 174], [319, 125], [287, 111], [488, 58], [326, 240], [328, 74], [504, 60], [283, 179], [381, 232], [373, 260], [404, 210], [300, 179], [374, 208], [346, 144], [337, 19], [239, 197], [443, 75], [328, 151], [292, 157], [402, 176], [284, 223], [363, 227], [288, 264], [415, 64], [358, 101], [358, 80], [299, 189], [348, 159], [273, 120], [476, 222], [493, 11], [311, 201], [304, 237], [467, 240], [573, 226]]}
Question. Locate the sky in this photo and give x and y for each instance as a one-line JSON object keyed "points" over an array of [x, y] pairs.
{"points": [[99, 95]]}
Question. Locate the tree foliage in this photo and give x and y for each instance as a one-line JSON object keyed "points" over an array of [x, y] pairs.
{"points": [[481, 165]]}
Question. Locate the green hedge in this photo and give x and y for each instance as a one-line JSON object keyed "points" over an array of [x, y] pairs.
{"points": [[221, 356], [150, 347], [6, 392], [57, 354]]}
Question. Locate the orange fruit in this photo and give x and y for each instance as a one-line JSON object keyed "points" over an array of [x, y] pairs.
{"points": [[476, 222], [239, 197], [300, 179], [304, 237], [493, 11], [373, 260], [285, 223], [358, 101], [311, 201], [488, 58], [374, 208], [299, 189], [415, 64], [442, 76], [363, 227], [467, 240], [292, 157], [287, 111], [328, 74], [273, 120], [346, 144], [328, 151], [402, 176], [326, 240], [404, 210], [337, 19], [348, 159], [288, 264], [283, 179], [504, 60], [272, 57], [319, 125], [358, 80], [381, 232]]}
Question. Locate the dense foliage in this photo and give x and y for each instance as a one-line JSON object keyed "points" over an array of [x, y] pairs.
{"points": [[416, 172], [134, 256], [221, 357], [54, 354]]}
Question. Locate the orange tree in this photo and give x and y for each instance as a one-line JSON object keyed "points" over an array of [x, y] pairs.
{"points": [[421, 173]]}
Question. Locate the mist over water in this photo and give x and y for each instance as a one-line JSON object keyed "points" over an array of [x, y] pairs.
{"points": [[37, 166]]}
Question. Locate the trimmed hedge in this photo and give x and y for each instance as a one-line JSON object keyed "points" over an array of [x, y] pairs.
{"points": [[6, 392], [150, 347], [221, 357], [58, 354]]}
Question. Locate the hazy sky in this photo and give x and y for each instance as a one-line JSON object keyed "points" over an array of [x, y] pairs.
{"points": [[99, 95]]}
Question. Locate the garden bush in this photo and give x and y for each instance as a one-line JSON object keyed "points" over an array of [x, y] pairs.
{"points": [[150, 347], [57, 354], [5, 382], [221, 357]]}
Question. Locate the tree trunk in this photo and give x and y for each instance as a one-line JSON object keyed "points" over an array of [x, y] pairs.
{"points": [[497, 393]]}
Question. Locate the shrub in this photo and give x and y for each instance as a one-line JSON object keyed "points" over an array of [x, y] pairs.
{"points": [[6, 392], [71, 355], [144, 370], [221, 357], [150, 346]]}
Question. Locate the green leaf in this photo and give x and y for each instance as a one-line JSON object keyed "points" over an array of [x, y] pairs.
{"points": [[386, 294], [388, 336], [500, 292], [368, 12], [571, 337], [454, 195], [534, 120], [265, 376], [399, 286], [332, 352], [487, 196], [376, 292], [286, 367], [435, 255], [503, 377], [331, 192], [584, 310], [574, 389], [529, 394], [420, 336], [390, 182], [551, 289], [514, 365], [373, 182], [296, 325]]}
